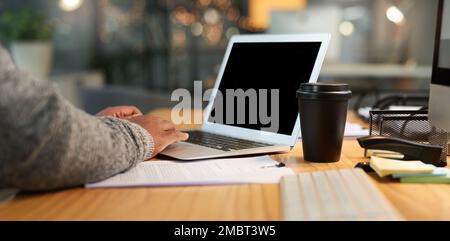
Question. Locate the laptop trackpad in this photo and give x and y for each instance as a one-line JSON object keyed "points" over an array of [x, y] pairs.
{"points": [[184, 149]]}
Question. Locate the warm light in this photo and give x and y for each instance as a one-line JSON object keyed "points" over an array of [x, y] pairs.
{"points": [[260, 10], [211, 16], [70, 5], [346, 28], [394, 15]]}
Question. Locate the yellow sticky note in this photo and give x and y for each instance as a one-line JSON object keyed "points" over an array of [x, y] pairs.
{"points": [[385, 167], [385, 154]]}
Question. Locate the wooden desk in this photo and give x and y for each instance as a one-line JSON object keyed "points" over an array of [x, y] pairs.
{"points": [[230, 202]]}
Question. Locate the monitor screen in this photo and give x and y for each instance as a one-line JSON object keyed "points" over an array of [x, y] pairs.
{"points": [[441, 68], [281, 66], [444, 52]]}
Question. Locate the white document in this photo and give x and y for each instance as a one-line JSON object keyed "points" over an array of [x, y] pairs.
{"points": [[355, 130], [261, 169], [352, 130]]}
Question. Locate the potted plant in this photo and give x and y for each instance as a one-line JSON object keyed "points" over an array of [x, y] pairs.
{"points": [[28, 35]]}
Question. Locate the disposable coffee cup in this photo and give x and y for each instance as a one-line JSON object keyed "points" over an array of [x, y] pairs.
{"points": [[323, 113]]}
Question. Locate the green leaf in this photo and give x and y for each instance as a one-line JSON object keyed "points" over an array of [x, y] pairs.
{"points": [[24, 25]]}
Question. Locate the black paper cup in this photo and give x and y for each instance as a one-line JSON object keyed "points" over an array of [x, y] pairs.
{"points": [[323, 113]]}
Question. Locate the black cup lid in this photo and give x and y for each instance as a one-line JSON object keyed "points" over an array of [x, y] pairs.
{"points": [[323, 87], [324, 91]]}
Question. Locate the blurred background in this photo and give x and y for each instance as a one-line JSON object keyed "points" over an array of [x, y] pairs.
{"points": [[111, 52]]}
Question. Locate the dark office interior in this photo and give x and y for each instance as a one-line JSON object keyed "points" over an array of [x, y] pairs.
{"points": [[137, 52]]}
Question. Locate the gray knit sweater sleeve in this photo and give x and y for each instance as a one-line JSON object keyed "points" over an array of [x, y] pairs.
{"points": [[46, 143]]}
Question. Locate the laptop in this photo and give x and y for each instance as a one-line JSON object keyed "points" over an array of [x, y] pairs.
{"points": [[253, 106]]}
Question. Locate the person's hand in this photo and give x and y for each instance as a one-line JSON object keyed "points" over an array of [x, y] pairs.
{"points": [[162, 131], [122, 112]]}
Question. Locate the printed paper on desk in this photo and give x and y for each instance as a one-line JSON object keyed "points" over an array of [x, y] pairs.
{"points": [[219, 171], [352, 130]]}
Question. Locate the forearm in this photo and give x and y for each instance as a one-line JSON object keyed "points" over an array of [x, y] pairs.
{"points": [[46, 143]]}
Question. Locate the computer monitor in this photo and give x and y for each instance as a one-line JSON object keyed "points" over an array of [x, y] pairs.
{"points": [[439, 105]]}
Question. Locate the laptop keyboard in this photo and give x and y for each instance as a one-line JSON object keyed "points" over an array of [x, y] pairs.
{"points": [[220, 142]]}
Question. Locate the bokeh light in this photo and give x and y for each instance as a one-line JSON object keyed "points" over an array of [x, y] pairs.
{"points": [[70, 5]]}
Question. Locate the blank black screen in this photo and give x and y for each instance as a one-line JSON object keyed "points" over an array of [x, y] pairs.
{"points": [[441, 65], [282, 66]]}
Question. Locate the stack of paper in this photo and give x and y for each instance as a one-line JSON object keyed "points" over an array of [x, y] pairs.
{"points": [[409, 171], [385, 167], [440, 175], [261, 169], [355, 130], [352, 130], [437, 172]]}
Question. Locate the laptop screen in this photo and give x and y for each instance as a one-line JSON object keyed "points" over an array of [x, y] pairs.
{"points": [[273, 71]]}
